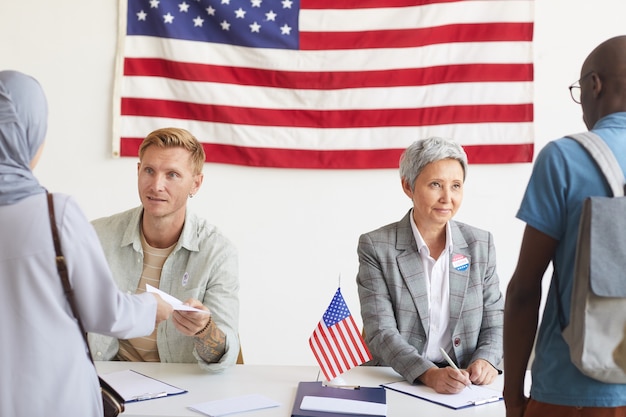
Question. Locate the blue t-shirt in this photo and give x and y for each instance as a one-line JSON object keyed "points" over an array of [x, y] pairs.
{"points": [[564, 174]]}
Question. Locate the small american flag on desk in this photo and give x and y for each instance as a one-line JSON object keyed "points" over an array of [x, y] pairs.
{"points": [[336, 342], [342, 84]]}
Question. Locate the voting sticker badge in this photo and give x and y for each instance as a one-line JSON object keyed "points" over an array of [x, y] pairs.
{"points": [[460, 262]]}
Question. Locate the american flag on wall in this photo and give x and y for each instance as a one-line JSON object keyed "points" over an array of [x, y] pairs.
{"points": [[327, 83], [336, 341]]}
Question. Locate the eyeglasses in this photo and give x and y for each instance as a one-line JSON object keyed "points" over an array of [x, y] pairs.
{"points": [[574, 89]]}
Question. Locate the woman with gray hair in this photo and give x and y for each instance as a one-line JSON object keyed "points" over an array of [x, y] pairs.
{"points": [[430, 294]]}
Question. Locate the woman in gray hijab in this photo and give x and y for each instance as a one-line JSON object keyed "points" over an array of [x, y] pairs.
{"points": [[23, 123], [45, 368]]}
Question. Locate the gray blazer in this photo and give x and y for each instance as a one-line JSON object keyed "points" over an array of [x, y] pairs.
{"points": [[394, 305]]}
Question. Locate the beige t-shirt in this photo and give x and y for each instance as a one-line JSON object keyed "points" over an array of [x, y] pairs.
{"points": [[144, 349]]}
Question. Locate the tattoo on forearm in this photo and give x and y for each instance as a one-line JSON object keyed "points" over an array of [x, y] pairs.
{"points": [[211, 344]]}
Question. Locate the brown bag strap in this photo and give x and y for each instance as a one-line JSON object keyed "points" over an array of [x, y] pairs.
{"points": [[113, 402], [62, 268]]}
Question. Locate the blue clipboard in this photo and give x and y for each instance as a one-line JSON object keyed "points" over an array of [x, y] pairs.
{"points": [[316, 389]]}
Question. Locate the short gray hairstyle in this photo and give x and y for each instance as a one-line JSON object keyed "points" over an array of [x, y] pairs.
{"points": [[425, 151]]}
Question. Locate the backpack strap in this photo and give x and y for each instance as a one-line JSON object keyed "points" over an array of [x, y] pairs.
{"points": [[605, 159]]}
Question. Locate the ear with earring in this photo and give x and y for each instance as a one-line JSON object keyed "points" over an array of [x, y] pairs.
{"points": [[190, 195]]}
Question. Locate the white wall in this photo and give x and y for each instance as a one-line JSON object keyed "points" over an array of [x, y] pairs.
{"points": [[296, 230]]}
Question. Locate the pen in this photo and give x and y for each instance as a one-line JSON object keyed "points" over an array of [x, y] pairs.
{"points": [[342, 386], [149, 396], [451, 363], [486, 401]]}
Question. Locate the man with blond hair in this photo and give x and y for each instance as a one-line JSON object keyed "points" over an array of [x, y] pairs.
{"points": [[162, 244]]}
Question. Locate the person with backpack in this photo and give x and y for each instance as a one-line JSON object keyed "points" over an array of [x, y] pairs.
{"points": [[563, 176]]}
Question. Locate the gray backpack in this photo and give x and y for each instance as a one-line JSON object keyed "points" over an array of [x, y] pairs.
{"points": [[598, 304]]}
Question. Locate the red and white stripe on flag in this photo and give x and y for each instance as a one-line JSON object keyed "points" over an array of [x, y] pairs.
{"points": [[336, 342], [337, 84]]}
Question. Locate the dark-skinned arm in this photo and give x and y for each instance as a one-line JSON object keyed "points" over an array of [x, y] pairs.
{"points": [[521, 314]]}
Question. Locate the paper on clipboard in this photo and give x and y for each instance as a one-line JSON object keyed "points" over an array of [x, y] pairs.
{"points": [[173, 301], [133, 386], [477, 395]]}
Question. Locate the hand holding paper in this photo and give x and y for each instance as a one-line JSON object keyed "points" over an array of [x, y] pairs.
{"points": [[173, 301]]}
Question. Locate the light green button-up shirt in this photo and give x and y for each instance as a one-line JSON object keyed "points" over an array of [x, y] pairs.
{"points": [[203, 265]]}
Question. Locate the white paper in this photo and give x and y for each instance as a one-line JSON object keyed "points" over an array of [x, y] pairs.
{"points": [[476, 395], [133, 386], [173, 301], [342, 405], [234, 405]]}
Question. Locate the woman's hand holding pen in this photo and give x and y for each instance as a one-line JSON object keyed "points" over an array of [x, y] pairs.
{"points": [[446, 380], [464, 374]]}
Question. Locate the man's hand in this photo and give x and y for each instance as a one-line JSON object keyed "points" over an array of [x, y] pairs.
{"points": [[190, 323], [209, 340]]}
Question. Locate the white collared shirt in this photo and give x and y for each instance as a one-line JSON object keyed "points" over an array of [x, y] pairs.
{"points": [[437, 274]]}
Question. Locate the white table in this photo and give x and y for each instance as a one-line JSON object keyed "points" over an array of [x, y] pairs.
{"points": [[276, 382]]}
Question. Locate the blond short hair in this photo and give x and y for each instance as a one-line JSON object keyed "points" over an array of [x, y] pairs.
{"points": [[173, 137]]}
